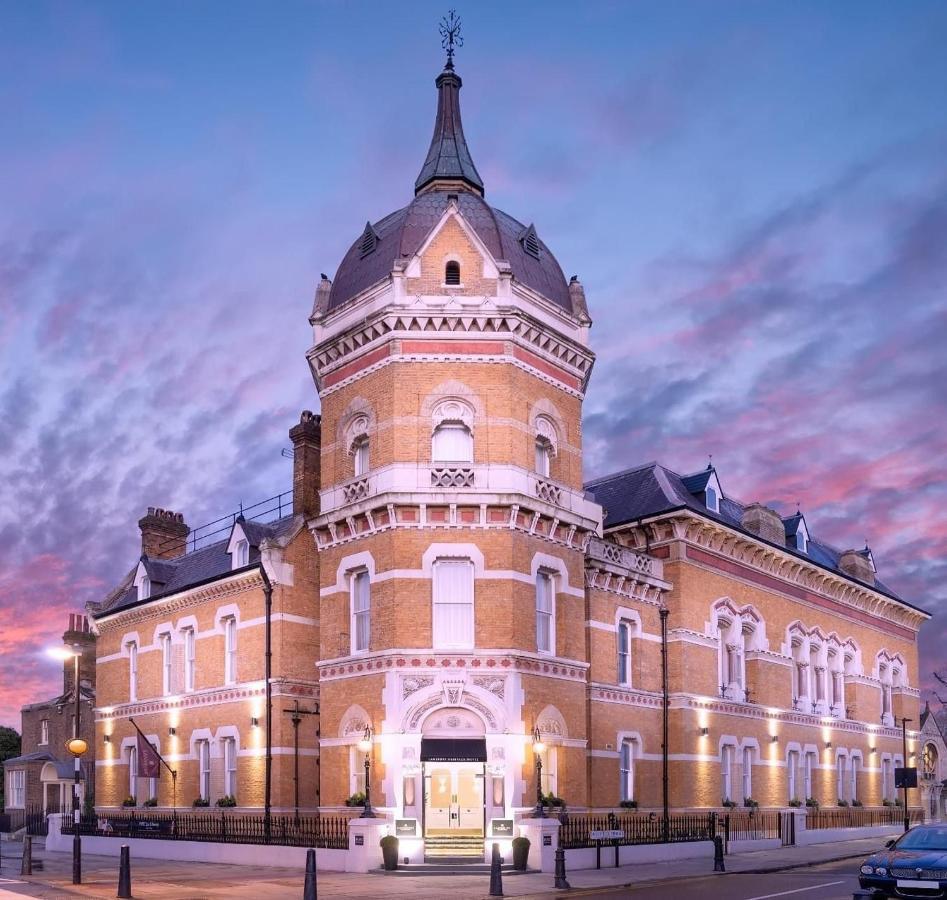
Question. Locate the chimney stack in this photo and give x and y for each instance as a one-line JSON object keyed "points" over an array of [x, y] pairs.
{"points": [[307, 448], [163, 534]]}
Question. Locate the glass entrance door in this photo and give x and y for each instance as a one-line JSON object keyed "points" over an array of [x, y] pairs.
{"points": [[453, 799]]}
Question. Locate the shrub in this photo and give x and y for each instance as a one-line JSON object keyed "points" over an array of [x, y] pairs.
{"points": [[812, 803], [551, 800], [628, 804], [898, 801], [886, 803], [728, 803], [357, 799], [795, 802], [750, 803], [151, 801], [842, 802], [857, 803], [389, 841], [520, 852], [227, 800], [129, 801], [200, 801]]}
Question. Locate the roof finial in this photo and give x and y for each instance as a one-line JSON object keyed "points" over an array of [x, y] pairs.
{"points": [[710, 460], [450, 36]]}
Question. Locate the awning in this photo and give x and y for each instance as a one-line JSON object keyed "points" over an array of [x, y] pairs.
{"points": [[453, 750]]}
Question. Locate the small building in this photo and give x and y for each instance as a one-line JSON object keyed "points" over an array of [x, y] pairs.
{"points": [[41, 777], [932, 771]]}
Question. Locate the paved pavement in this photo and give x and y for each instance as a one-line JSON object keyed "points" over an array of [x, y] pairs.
{"points": [[750, 876]]}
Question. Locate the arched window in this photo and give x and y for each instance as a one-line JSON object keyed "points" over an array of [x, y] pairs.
{"points": [[144, 588], [543, 456], [452, 443], [452, 273], [360, 456]]}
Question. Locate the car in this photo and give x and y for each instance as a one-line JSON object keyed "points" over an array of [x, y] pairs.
{"points": [[914, 865]]}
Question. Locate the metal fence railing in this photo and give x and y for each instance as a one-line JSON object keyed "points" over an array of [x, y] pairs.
{"points": [[637, 828], [751, 825], [329, 832], [32, 818], [860, 817]]}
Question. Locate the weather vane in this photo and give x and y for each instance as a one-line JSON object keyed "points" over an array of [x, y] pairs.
{"points": [[450, 36]]}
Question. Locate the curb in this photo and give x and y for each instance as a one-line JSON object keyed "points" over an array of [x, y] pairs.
{"points": [[800, 865]]}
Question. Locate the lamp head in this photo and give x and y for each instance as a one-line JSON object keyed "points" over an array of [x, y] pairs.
{"points": [[62, 653], [77, 746], [365, 743], [538, 745]]}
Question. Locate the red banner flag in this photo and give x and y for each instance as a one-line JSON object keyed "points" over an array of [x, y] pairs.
{"points": [[149, 763]]}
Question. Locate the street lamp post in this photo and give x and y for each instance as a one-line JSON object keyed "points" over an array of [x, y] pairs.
{"points": [[538, 748], [365, 745], [76, 747], [904, 763]]}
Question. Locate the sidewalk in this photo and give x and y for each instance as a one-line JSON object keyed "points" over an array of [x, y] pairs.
{"points": [[189, 880]]}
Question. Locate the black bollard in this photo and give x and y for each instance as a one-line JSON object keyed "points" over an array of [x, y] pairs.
{"points": [[496, 873], [718, 854], [125, 875], [561, 870], [309, 892], [26, 866]]}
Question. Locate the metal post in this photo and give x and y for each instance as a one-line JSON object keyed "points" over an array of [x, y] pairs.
{"points": [[664, 612], [26, 865], [124, 875], [496, 873], [368, 812], [268, 690], [540, 813], [76, 839], [309, 891], [296, 720], [560, 875], [904, 763]]}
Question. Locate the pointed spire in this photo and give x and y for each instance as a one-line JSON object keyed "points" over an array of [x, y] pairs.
{"points": [[448, 160]]}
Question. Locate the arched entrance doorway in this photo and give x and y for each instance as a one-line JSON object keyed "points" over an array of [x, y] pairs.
{"points": [[453, 763]]}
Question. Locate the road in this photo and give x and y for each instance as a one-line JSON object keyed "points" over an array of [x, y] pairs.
{"points": [[832, 881]]}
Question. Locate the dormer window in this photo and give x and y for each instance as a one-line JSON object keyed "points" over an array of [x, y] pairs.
{"points": [[368, 241], [452, 273], [241, 554], [711, 500], [801, 543], [530, 242], [144, 588]]}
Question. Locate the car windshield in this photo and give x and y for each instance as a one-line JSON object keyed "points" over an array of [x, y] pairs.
{"points": [[924, 839]]}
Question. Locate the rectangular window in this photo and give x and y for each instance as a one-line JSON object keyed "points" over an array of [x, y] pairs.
{"points": [[203, 761], [361, 611], [627, 770], [190, 658], [452, 442], [840, 778], [361, 457], [133, 772], [624, 652], [726, 772], [747, 772], [132, 671], [230, 767], [837, 694], [800, 681], [453, 604], [241, 554], [808, 773], [44, 731], [16, 789], [734, 675], [166, 664], [230, 650], [820, 684], [544, 612], [853, 771], [885, 779], [792, 765], [550, 760], [542, 458]]}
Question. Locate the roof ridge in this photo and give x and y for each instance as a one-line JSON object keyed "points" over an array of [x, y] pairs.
{"points": [[613, 475]]}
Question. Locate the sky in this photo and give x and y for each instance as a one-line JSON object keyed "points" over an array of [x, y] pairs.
{"points": [[754, 195]]}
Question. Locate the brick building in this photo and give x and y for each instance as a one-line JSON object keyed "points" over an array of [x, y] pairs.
{"points": [[43, 774], [449, 589]]}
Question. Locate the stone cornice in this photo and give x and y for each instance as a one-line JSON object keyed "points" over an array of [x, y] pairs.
{"points": [[619, 570], [794, 572], [160, 607]]}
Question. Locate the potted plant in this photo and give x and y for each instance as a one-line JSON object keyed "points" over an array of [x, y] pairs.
{"points": [[886, 803], [129, 801], [628, 804], [520, 853], [857, 803], [389, 852], [812, 803], [750, 803], [151, 801], [795, 803], [728, 803], [227, 800], [842, 802], [200, 801], [551, 799], [898, 801], [357, 799]]}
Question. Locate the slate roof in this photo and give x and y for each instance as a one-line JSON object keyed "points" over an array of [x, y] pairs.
{"points": [[401, 233], [652, 489], [196, 567]]}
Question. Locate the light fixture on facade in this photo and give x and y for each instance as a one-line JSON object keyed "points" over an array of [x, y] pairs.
{"points": [[172, 731], [773, 738], [828, 745], [872, 749], [107, 738], [704, 731], [254, 721], [365, 745]]}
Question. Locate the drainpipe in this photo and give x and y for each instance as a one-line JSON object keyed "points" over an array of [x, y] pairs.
{"points": [[664, 719], [268, 679]]}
